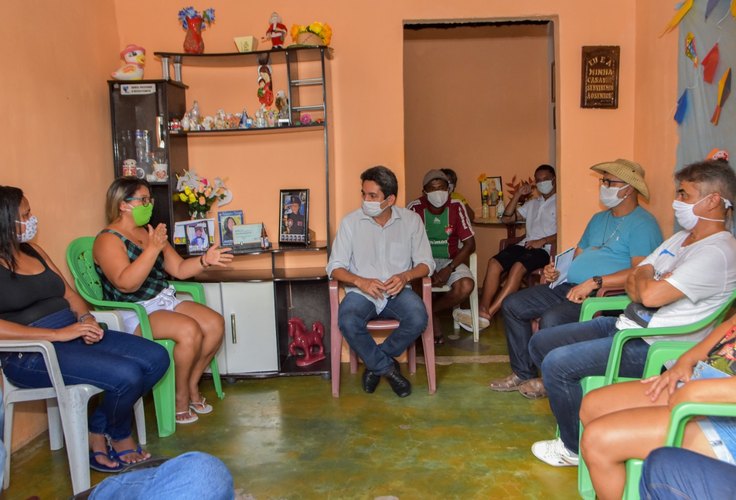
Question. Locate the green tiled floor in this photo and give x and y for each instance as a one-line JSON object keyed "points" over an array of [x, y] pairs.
{"points": [[288, 438]]}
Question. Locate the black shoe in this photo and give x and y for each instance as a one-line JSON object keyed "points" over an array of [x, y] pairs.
{"points": [[370, 381], [400, 385]]}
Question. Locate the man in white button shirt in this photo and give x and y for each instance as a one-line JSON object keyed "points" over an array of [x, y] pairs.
{"points": [[378, 250], [540, 215]]}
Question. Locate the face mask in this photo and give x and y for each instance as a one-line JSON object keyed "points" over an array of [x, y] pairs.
{"points": [[545, 187], [142, 214], [685, 214], [31, 226], [609, 196], [372, 208], [438, 198]]}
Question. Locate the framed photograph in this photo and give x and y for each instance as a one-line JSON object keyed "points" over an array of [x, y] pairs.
{"points": [[226, 221], [294, 216], [198, 236], [489, 189]]}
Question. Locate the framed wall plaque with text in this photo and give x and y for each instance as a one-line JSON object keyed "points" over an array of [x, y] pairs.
{"points": [[599, 85]]}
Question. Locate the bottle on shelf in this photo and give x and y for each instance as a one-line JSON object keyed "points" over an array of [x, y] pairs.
{"points": [[142, 152]]}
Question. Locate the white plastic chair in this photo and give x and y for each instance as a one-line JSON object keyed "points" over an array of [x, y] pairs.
{"points": [[66, 407], [473, 265]]}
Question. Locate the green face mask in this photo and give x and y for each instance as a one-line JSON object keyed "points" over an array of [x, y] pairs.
{"points": [[142, 214]]}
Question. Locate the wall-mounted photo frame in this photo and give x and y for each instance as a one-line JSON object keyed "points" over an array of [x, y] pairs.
{"points": [[226, 221], [489, 189], [294, 216]]}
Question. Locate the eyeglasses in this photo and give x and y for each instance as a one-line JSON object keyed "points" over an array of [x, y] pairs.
{"points": [[145, 200], [608, 182]]}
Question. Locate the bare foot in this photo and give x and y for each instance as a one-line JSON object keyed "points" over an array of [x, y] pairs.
{"points": [[129, 452], [98, 443]]}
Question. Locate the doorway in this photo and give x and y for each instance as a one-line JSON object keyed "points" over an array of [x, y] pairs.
{"points": [[479, 98]]}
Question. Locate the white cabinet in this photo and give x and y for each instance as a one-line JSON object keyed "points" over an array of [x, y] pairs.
{"points": [[251, 343]]}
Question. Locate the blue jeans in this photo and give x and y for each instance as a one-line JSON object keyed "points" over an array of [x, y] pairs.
{"points": [[520, 308], [677, 474], [191, 476], [356, 311], [124, 366], [569, 353]]}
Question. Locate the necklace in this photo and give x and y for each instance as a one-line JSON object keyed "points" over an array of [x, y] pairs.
{"points": [[605, 239]]}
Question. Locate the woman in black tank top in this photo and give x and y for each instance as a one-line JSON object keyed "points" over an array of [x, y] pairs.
{"points": [[38, 304]]}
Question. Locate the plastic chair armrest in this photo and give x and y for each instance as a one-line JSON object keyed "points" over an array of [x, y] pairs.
{"points": [[196, 290], [683, 412], [594, 305], [46, 349], [661, 352]]}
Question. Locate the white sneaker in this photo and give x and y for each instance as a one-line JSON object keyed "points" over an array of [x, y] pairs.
{"points": [[554, 452], [464, 318]]}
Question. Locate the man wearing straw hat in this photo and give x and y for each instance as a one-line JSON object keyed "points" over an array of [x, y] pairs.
{"points": [[614, 241]]}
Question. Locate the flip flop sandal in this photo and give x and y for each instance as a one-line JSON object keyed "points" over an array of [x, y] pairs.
{"points": [[118, 455], [186, 417], [100, 467], [200, 407]]}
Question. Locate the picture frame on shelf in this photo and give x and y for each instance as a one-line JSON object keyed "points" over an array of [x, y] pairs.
{"points": [[294, 216], [198, 236], [489, 189], [226, 221]]}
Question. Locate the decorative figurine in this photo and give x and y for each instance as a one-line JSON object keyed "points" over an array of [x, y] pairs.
{"points": [[282, 104], [245, 120], [265, 87], [276, 31], [134, 57], [301, 339]]}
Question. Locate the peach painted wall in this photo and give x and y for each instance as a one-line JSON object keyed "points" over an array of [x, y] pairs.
{"points": [[366, 80], [56, 120], [56, 127]]}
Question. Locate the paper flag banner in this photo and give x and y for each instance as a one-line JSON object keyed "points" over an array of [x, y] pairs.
{"points": [[690, 51], [710, 64], [724, 90], [682, 12], [709, 8], [681, 108]]}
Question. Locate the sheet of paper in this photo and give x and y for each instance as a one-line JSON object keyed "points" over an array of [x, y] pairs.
{"points": [[562, 264], [247, 234]]}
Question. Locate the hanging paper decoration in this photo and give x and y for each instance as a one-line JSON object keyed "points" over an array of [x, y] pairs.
{"points": [[690, 51], [724, 90], [710, 64], [681, 108], [709, 8], [733, 8], [682, 12]]}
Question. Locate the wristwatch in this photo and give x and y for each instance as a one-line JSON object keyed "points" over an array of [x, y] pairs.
{"points": [[598, 281]]}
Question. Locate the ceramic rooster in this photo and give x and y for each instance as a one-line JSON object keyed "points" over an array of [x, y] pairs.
{"points": [[134, 57]]}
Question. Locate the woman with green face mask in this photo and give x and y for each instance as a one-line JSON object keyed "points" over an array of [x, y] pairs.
{"points": [[134, 260]]}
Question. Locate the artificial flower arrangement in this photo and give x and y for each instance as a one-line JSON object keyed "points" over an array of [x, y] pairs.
{"points": [[316, 33], [207, 16], [198, 193]]}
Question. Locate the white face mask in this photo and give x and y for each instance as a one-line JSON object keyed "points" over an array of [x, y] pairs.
{"points": [[685, 214], [31, 226], [438, 198], [372, 208], [609, 196], [545, 187]]}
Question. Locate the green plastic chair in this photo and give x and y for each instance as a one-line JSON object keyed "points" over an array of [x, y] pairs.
{"points": [[658, 354], [81, 264]]}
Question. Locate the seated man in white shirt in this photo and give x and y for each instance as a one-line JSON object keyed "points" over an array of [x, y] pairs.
{"points": [[378, 250], [540, 215]]}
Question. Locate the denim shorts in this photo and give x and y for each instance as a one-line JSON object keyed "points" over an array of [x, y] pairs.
{"points": [[720, 431]]}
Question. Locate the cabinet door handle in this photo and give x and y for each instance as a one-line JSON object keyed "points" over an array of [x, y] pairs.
{"points": [[233, 330], [159, 132]]}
